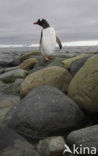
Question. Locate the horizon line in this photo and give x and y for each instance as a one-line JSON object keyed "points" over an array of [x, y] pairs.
{"points": [[64, 44]]}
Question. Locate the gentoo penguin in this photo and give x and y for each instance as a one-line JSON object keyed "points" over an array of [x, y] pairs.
{"points": [[48, 39]]}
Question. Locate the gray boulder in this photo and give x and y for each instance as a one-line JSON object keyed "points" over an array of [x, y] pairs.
{"points": [[13, 75], [45, 111], [13, 63], [86, 137], [11, 144]]}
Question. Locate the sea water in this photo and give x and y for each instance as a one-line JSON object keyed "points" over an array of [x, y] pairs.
{"points": [[12, 51]]}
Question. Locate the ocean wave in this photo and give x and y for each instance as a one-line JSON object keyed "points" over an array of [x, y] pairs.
{"points": [[18, 45], [65, 44]]}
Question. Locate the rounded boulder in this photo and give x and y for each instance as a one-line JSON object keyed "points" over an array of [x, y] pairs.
{"points": [[84, 86], [53, 76], [45, 111]]}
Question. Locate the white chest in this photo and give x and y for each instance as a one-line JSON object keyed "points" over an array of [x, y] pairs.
{"points": [[48, 43]]}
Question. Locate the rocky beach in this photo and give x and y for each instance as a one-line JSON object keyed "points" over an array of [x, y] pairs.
{"points": [[47, 104]]}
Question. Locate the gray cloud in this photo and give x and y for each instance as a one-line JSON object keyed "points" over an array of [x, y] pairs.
{"points": [[72, 19]]}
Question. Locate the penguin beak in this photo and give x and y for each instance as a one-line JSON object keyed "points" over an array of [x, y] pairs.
{"points": [[35, 23]]}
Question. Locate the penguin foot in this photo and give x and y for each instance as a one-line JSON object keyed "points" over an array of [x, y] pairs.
{"points": [[47, 58]]}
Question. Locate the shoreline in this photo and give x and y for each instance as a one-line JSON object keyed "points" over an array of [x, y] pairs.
{"points": [[10, 54]]}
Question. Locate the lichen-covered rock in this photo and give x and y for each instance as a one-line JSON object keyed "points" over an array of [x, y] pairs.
{"points": [[84, 86], [54, 76]]}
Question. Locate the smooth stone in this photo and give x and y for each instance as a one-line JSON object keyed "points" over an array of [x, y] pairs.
{"points": [[13, 75], [84, 86], [40, 63], [51, 146], [87, 137], [10, 69], [77, 64], [45, 111], [54, 76], [13, 63], [28, 63]]}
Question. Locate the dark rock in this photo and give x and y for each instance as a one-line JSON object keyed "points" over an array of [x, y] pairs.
{"points": [[68, 62], [1, 70], [77, 64], [3, 63], [45, 111], [87, 137], [91, 119], [13, 63], [11, 144]]}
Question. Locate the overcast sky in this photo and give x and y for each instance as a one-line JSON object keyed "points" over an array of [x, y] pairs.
{"points": [[73, 20]]}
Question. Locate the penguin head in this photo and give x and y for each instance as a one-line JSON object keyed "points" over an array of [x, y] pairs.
{"points": [[43, 23]]}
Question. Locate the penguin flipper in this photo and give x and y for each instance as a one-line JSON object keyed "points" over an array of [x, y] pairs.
{"points": [[58, 42], [41, 40]]}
